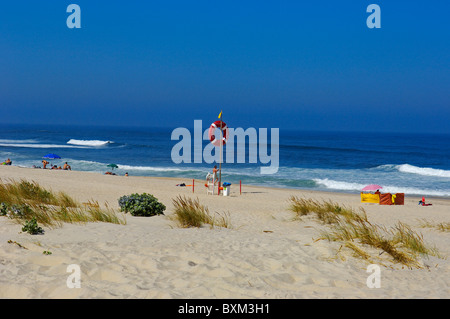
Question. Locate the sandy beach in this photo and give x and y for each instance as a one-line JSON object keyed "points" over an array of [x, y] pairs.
{"points": [[264, 254]]}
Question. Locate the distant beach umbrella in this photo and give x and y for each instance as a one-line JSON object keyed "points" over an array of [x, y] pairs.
{"points": [[113, 166], [52, 156], [372, 187]]}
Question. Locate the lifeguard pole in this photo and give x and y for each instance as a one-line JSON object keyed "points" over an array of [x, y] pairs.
{"points": [[220, 158]]}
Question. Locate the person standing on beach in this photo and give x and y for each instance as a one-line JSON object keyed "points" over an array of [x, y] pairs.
{"points": [[215, 170], [45, 163]]}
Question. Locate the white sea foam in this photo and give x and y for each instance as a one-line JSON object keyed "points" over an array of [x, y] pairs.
{"points": [[427, 171], [86, 165], [18, 141], [38, 145], [94, 143], [151, 168], [346, 186]]}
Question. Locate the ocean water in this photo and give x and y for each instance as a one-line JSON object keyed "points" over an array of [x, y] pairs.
{"points": [[416, 164]]}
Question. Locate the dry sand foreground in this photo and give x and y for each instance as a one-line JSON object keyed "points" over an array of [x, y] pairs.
{"points": [[264, 255]]}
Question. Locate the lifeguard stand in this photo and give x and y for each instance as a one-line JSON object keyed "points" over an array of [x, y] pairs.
{"points": [[211, 181]]}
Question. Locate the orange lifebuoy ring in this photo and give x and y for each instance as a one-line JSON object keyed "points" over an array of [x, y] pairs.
{"points": [[212, 137]]}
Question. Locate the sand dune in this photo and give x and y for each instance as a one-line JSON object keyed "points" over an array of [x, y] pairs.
{"points": [[265, 254]]}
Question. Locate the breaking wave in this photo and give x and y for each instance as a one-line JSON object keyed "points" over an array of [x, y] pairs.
{"points": [[94, 143], [427, 171]]}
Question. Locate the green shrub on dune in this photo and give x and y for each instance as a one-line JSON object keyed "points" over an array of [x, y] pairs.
{"points": [[141, 205]]}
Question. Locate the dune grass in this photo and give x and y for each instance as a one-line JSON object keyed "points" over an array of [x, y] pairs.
{"points": [[326, 211], [190, 213], [26, 200], [355, 231], [30, 192], [443, 227]]}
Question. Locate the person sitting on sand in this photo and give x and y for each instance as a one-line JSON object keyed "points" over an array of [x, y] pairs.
{"points": [[67, 167], [45, 163], [126, 174], [422, 202], [7, 162]]}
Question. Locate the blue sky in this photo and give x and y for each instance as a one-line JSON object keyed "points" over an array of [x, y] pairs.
{"points": [[290, 64]]}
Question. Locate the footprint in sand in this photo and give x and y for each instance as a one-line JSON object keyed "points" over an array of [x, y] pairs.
{"points": [[107, 275]]}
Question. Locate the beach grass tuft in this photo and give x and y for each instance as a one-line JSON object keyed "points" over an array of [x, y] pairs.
{"points": [[25, 201], [354, 230], [190, 213], [443, 227], [326, 211], [405, 236], [358, 251]]}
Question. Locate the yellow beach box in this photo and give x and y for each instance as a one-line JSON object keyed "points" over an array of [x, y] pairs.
{"points": [[370, 198]]}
